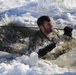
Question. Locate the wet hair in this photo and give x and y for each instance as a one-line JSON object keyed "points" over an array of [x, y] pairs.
{"points": [[68, 31], [42, 19]]}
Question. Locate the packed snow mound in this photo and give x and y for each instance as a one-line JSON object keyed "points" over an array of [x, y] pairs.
{"points": [[25, 65], [68, 58], [5, 5], [25, 20]]}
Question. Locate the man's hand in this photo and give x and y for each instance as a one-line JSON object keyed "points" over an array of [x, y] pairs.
{"points": [[68, 31]]}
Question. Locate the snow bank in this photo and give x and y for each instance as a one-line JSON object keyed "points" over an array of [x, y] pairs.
{"points": [[20, 66]]}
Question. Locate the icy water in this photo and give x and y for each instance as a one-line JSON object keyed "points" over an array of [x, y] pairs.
{"points": [[18, 37]]}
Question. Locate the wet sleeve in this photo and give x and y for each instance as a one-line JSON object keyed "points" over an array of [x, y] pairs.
{"points": [[47, 49], [32, 45]]}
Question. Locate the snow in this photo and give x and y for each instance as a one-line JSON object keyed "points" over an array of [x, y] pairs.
{"points": [[29, 10], [27, 21], [68, 58], [32, 66]]}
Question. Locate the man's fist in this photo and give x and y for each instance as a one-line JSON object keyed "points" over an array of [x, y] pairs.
{"points": [[68, 31]]}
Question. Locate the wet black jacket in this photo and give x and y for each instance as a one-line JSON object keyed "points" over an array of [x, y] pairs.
{"points": [[41, 44]]}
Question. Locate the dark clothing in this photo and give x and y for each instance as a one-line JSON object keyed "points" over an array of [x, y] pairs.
{"points": [[40, 44], [68, 31], [46, 49]]}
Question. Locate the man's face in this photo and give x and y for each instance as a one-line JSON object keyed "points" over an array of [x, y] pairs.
{"points": [[47, 27]]}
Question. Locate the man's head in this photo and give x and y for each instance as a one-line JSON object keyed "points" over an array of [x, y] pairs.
{"points": [[45, 24]]}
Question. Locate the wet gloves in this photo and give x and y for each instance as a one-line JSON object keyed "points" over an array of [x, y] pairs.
{"points": [[46, 49], [68, 31]]}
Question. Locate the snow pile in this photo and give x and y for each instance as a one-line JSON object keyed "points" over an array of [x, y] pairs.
{"points": [[26, 20], [6, 4], [71, 3], [31, 10], [32, 66]]}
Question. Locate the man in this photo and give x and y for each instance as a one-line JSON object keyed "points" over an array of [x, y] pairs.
{"points": [[42, 41]]}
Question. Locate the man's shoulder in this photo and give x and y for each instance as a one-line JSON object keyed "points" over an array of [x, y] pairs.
{"points": [[35, 36]]}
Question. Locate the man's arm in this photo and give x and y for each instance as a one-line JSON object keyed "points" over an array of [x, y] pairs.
{"points": [[46, 49]]}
